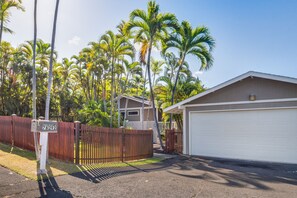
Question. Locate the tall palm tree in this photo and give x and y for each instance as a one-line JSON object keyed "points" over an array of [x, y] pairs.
{"points": [[50, 75], [197, 42], [115, 47], [44, 136], [34, 79], [5, 7], [151, 26]]}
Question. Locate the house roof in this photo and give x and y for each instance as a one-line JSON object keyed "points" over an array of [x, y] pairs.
{"points": [[137, 99], [177, 107]]}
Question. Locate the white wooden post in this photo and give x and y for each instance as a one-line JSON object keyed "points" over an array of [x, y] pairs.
{"points": [[43, 156]]}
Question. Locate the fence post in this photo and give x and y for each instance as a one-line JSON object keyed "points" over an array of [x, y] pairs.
{"points": [[77, 132], [123, 143], [12, 128]]}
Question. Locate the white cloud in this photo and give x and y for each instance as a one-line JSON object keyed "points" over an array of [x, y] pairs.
{"points": [[197, 73], [74, 41]]}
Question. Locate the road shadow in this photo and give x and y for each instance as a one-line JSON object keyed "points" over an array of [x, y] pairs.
{"points": [[235, 173], [96, 174], [48, 187]]}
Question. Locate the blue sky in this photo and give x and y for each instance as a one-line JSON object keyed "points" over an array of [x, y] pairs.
{"points": [[259, 35]]}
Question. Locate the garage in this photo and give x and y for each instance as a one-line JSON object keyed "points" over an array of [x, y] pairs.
{"points": [[263, 135], [250, 117]]}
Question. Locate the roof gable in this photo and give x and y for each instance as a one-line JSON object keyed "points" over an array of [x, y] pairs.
{"points": [[136, 99], [232, 81]]}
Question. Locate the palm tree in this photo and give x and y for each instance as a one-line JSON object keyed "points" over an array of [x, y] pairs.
{"points": [[50, 76], [156, 69], [5, 7], [151, 27], [197, 42], [115, 47], [44, 136], [34, 79]]}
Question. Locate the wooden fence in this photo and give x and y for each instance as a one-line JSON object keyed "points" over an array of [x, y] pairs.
{"points": [[82, 143], [16, 131], [6, 129], [174, 141], [99, 144]]}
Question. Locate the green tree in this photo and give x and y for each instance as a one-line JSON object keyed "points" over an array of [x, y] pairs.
{"points": [[197, 42], [115, 47], [151, 26], [5, 7], [156, 68]]}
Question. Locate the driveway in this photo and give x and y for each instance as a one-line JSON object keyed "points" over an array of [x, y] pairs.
{"points": [[178, 177]]}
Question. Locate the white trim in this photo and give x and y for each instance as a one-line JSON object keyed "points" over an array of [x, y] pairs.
{"points": [[247, 109], [242, 102], [190, 135], [231, 81], [184, 131]]}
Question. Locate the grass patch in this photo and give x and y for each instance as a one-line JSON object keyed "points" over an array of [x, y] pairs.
{"points": [[24, 163]]}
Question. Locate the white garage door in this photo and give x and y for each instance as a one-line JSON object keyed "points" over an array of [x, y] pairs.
{"points": [[264, 135]]}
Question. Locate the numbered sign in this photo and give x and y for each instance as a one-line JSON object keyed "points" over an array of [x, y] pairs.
{"points": [[44, 126]]}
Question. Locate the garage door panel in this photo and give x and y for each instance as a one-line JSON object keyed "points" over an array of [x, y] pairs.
{"points": [[265, 135]]}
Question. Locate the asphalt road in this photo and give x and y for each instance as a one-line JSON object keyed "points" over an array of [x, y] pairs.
{"points": [[179, 177]]}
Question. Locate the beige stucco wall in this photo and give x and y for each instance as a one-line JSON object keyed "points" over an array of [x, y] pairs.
{"points": [[263, 89]]}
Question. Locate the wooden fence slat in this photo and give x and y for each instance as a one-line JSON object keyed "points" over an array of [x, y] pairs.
{"points": [[97, 144]]}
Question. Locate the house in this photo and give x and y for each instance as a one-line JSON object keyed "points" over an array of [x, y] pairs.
{"points": [[132, 115], [250, 117]]}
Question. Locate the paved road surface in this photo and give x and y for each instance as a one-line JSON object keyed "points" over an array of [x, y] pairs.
{"points": [[179, 177]]}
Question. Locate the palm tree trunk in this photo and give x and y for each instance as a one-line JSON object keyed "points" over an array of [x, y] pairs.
{"points": [[174, 88], [112, 92], [142, 108], [50, 76], [104, 94], [44, 136], [152, 93], [1, 28], [37, 152]]}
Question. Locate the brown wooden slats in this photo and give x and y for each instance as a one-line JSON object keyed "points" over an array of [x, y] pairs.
{"points": [[99, 144], [61, 144], [22, 135], [18, 130], [96, 145], [174, 141], [6, 129]]}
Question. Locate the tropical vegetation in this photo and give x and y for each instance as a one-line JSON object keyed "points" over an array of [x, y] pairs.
{"points": [[85, 86]]}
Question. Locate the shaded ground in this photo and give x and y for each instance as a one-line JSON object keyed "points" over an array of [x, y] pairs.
{"points": [[178, 177]]}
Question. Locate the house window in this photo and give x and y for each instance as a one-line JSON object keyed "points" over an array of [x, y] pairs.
{"points": [[133, 113]]}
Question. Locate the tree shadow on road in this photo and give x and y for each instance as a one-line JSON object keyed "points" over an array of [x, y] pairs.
{"points": [[236, 173], [95, 173]]}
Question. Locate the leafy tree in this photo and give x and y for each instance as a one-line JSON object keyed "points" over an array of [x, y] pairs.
{"points": [[197, 42], [5, 7], [151, 26], [115, 47]]}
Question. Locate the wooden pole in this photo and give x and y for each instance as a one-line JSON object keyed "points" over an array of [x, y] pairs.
{"points": [[77, 133]]}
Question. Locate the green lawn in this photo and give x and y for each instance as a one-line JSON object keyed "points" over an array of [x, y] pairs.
{"points": [[24, 163]]}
